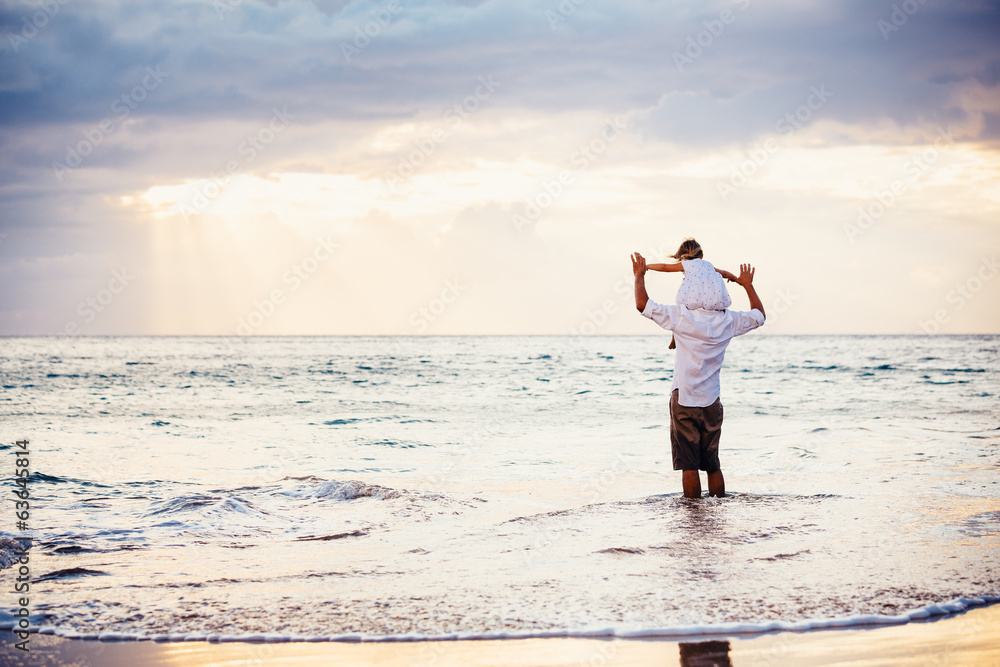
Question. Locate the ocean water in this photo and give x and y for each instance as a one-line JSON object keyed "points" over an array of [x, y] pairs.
{"points": [[374, 488]]}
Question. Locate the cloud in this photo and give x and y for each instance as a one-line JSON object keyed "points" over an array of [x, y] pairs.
{"points": [[611, 58], [366, 86]]}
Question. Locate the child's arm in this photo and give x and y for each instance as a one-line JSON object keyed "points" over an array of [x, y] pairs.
{"points": [[667, 268], [725, 274]]}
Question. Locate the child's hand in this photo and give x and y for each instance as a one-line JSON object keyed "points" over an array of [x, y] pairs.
{"points": [[727, 275]]}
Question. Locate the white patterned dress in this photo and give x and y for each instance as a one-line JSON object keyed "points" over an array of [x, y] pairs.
{"points": [[702, 287]]}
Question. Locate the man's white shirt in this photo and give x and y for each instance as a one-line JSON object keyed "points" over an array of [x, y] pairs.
{"points": [[702, 337]]}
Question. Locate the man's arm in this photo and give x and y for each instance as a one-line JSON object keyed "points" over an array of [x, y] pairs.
{"points": [[639, 271], [746, 280], [666, 268]]}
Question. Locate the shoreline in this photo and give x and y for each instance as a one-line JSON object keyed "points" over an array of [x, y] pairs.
{"points": [[928, 613], [970, 637]]}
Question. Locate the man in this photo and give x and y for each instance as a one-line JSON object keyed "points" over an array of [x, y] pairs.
{"points": [[695, 405]]}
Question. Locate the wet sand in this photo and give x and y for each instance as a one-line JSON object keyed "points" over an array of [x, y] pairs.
{"points": [[971, 638]]}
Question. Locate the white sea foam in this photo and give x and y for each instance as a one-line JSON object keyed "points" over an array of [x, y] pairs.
{"points": [[931, 611]]}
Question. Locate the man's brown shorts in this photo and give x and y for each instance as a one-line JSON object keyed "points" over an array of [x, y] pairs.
{"points": [[694, 435]]}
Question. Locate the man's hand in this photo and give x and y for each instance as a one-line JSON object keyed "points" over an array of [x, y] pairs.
{"points": [[746, 276], [638, 265], [639, 270], [746, 281]]}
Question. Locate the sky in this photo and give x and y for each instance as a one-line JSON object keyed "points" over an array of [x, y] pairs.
{"points": [[228, 167]]}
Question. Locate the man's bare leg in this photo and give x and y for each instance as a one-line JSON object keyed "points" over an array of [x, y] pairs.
{"points": [[716, 484], [692, 484]]}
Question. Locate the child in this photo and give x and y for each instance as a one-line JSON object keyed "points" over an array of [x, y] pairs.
{"points": [[703, 286]]}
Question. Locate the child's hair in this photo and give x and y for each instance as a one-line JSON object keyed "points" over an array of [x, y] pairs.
{"points": [[690, 249]]}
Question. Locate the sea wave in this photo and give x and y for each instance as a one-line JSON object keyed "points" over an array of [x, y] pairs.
{"points": [[936, 611], [199, 502], [322, 489], [10, 550]]}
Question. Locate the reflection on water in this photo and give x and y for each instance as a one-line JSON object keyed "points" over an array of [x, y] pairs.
{"points": [[705, 654]]}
